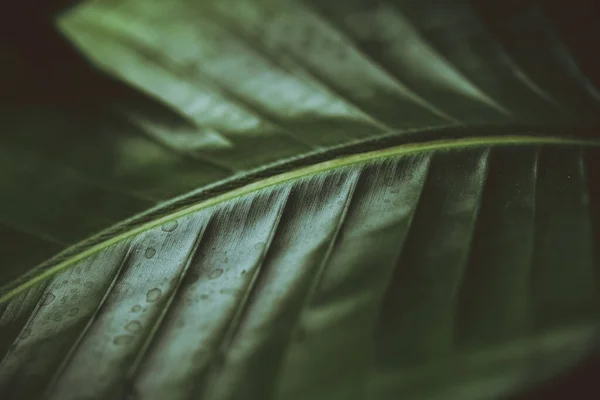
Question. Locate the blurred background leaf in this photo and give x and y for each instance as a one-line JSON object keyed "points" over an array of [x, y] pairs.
{"points": [[119, 113]]}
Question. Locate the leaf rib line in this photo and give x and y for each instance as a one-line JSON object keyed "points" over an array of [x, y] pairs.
{"points": [[149, 55], [252, 107], [529, 305], [135, 366], [309, 71], [485, 98], [57, 264], [143, 131], [320, 269], [469, 250], [69, 356], [579, 78], [34, 312], [412, 95], [394, 266], [521, 75], [234, 323], [172, 67]]}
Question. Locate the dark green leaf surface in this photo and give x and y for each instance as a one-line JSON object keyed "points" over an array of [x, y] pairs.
{"points": [[463, 273], [228, 87], [305, 200]]}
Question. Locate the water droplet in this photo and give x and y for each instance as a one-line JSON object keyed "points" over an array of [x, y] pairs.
{"points": [[57, 317], [73, 311], [216, 273], [259, 245], [123, 339], [243, 272], [226, 260], [26, 333], [150, 252], [88, 285], [169, 226], [136, 308], [153, 295], [48, 298], [134, 326], [204, 296], [77, 281]]}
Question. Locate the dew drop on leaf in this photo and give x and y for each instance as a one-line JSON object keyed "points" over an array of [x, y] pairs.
{"points": [[26, 333], [88, 285], [73, 311], [134, 326], [204, 296], [216, 273], [153, 295], [77, 281], [150, 252], [243, 272], [169, 226], [123, 339], [136, 308], [48, 298]]}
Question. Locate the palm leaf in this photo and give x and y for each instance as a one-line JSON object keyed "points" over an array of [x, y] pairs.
{"points": [[327, 200]]}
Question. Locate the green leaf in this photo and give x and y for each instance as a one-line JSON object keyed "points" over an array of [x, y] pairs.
{"points": [[324, 200], [407, 270]]}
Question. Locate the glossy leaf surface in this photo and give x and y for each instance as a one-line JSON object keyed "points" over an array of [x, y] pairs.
{"points": [[227, 88], [374, 202], [425, 274]]}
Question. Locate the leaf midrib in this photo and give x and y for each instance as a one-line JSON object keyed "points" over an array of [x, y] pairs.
{"points": [[182, 206]]}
